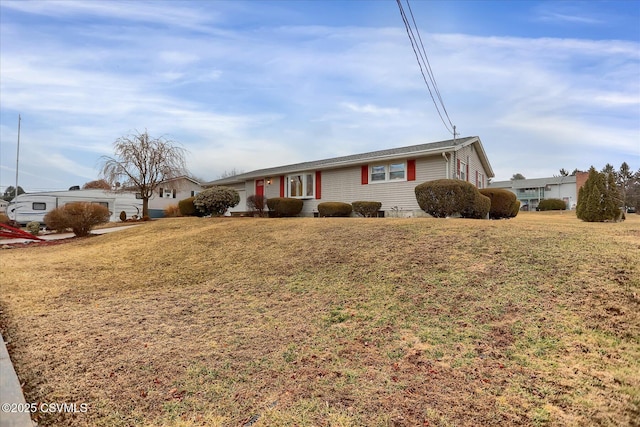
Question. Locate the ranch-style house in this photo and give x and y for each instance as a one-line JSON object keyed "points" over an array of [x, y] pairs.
{"points": [[386, 176]]}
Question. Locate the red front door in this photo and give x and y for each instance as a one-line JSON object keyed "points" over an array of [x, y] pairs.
{"points": [[259, 187]]}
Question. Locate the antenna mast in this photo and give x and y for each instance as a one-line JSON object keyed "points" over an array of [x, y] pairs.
{"points": [[17, 157]]}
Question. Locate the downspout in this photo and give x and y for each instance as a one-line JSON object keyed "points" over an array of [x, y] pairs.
{"points": [[446, 164]]}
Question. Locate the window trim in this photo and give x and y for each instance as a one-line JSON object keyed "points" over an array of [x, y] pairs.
{"points": [[303, 183], [43, 204], [387, 172], [462, 170]]}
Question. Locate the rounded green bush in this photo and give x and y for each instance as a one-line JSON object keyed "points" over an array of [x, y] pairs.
{"points": [[479, 207], [552, 205], [502, 202], [284, 207], [187, 208], [447, 197], [366, 209], [334, 209], [515, 208], [216, 200]]}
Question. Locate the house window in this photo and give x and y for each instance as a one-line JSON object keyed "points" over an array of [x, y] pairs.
{"points": [[169, 193], [388, 172], [378, 173], [301, 185], [105, 204], [39, 206], [462, 171], [480, 180]]}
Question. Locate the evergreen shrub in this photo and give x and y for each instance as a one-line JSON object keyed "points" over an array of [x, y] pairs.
{"points": [[366, 209], [334, 209], [448, 197], [284, 207], [216, 200], [599, 199], [515, 208], [187, 208], [123, 216], [33, 227], [502, 203], [552, 205], [479, 208]]}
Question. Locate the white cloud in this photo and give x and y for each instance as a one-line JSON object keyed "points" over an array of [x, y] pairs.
{"points": [[273, 95], [370, 109]]}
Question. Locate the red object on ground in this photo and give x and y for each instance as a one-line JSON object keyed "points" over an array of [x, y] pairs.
{"points": [[15, 233]]}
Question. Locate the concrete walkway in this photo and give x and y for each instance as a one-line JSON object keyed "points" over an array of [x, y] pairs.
{"points": [[11, 393]]}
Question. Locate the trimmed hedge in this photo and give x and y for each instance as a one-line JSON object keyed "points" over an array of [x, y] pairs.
{"points": [[447, 197], [552, 205], [334, 209], [284, 207], [515, 208], [502, 203], [366, 209], [479, 207], [187, 208]]}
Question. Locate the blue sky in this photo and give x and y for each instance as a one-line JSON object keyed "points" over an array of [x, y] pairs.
{"points": [[248, 85]]}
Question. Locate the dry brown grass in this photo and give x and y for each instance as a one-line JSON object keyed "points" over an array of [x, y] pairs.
{"points": [[332, 322]]}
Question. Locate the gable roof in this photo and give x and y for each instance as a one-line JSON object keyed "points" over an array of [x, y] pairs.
{"points": [[185, 177], [420, 150]]}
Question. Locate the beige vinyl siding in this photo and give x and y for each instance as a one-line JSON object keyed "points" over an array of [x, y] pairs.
{"points": [[345, 185], [273, 189], [469, 155], [241, 188]]}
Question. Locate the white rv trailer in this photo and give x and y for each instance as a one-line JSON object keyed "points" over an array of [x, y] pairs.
{"points": [[29, 207]]}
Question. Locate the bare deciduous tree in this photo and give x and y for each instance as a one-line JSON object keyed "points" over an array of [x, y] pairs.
{"points": [[141, 162], [99, 184]]}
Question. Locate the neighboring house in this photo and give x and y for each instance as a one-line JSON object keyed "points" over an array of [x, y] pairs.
{"points": [[531, 191], [170, 192], [386, 176]]}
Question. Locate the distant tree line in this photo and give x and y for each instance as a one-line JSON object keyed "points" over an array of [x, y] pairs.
{"points": [[627, 183]]}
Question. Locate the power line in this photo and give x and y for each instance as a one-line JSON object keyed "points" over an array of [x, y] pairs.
{"points": [[423, 63]]}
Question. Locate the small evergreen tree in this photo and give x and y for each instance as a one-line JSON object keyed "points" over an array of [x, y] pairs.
{"points": [[216, 200], [598, 199]]}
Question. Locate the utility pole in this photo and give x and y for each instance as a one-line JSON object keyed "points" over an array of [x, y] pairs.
{"points": [[454, 134], [17, 156]]}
